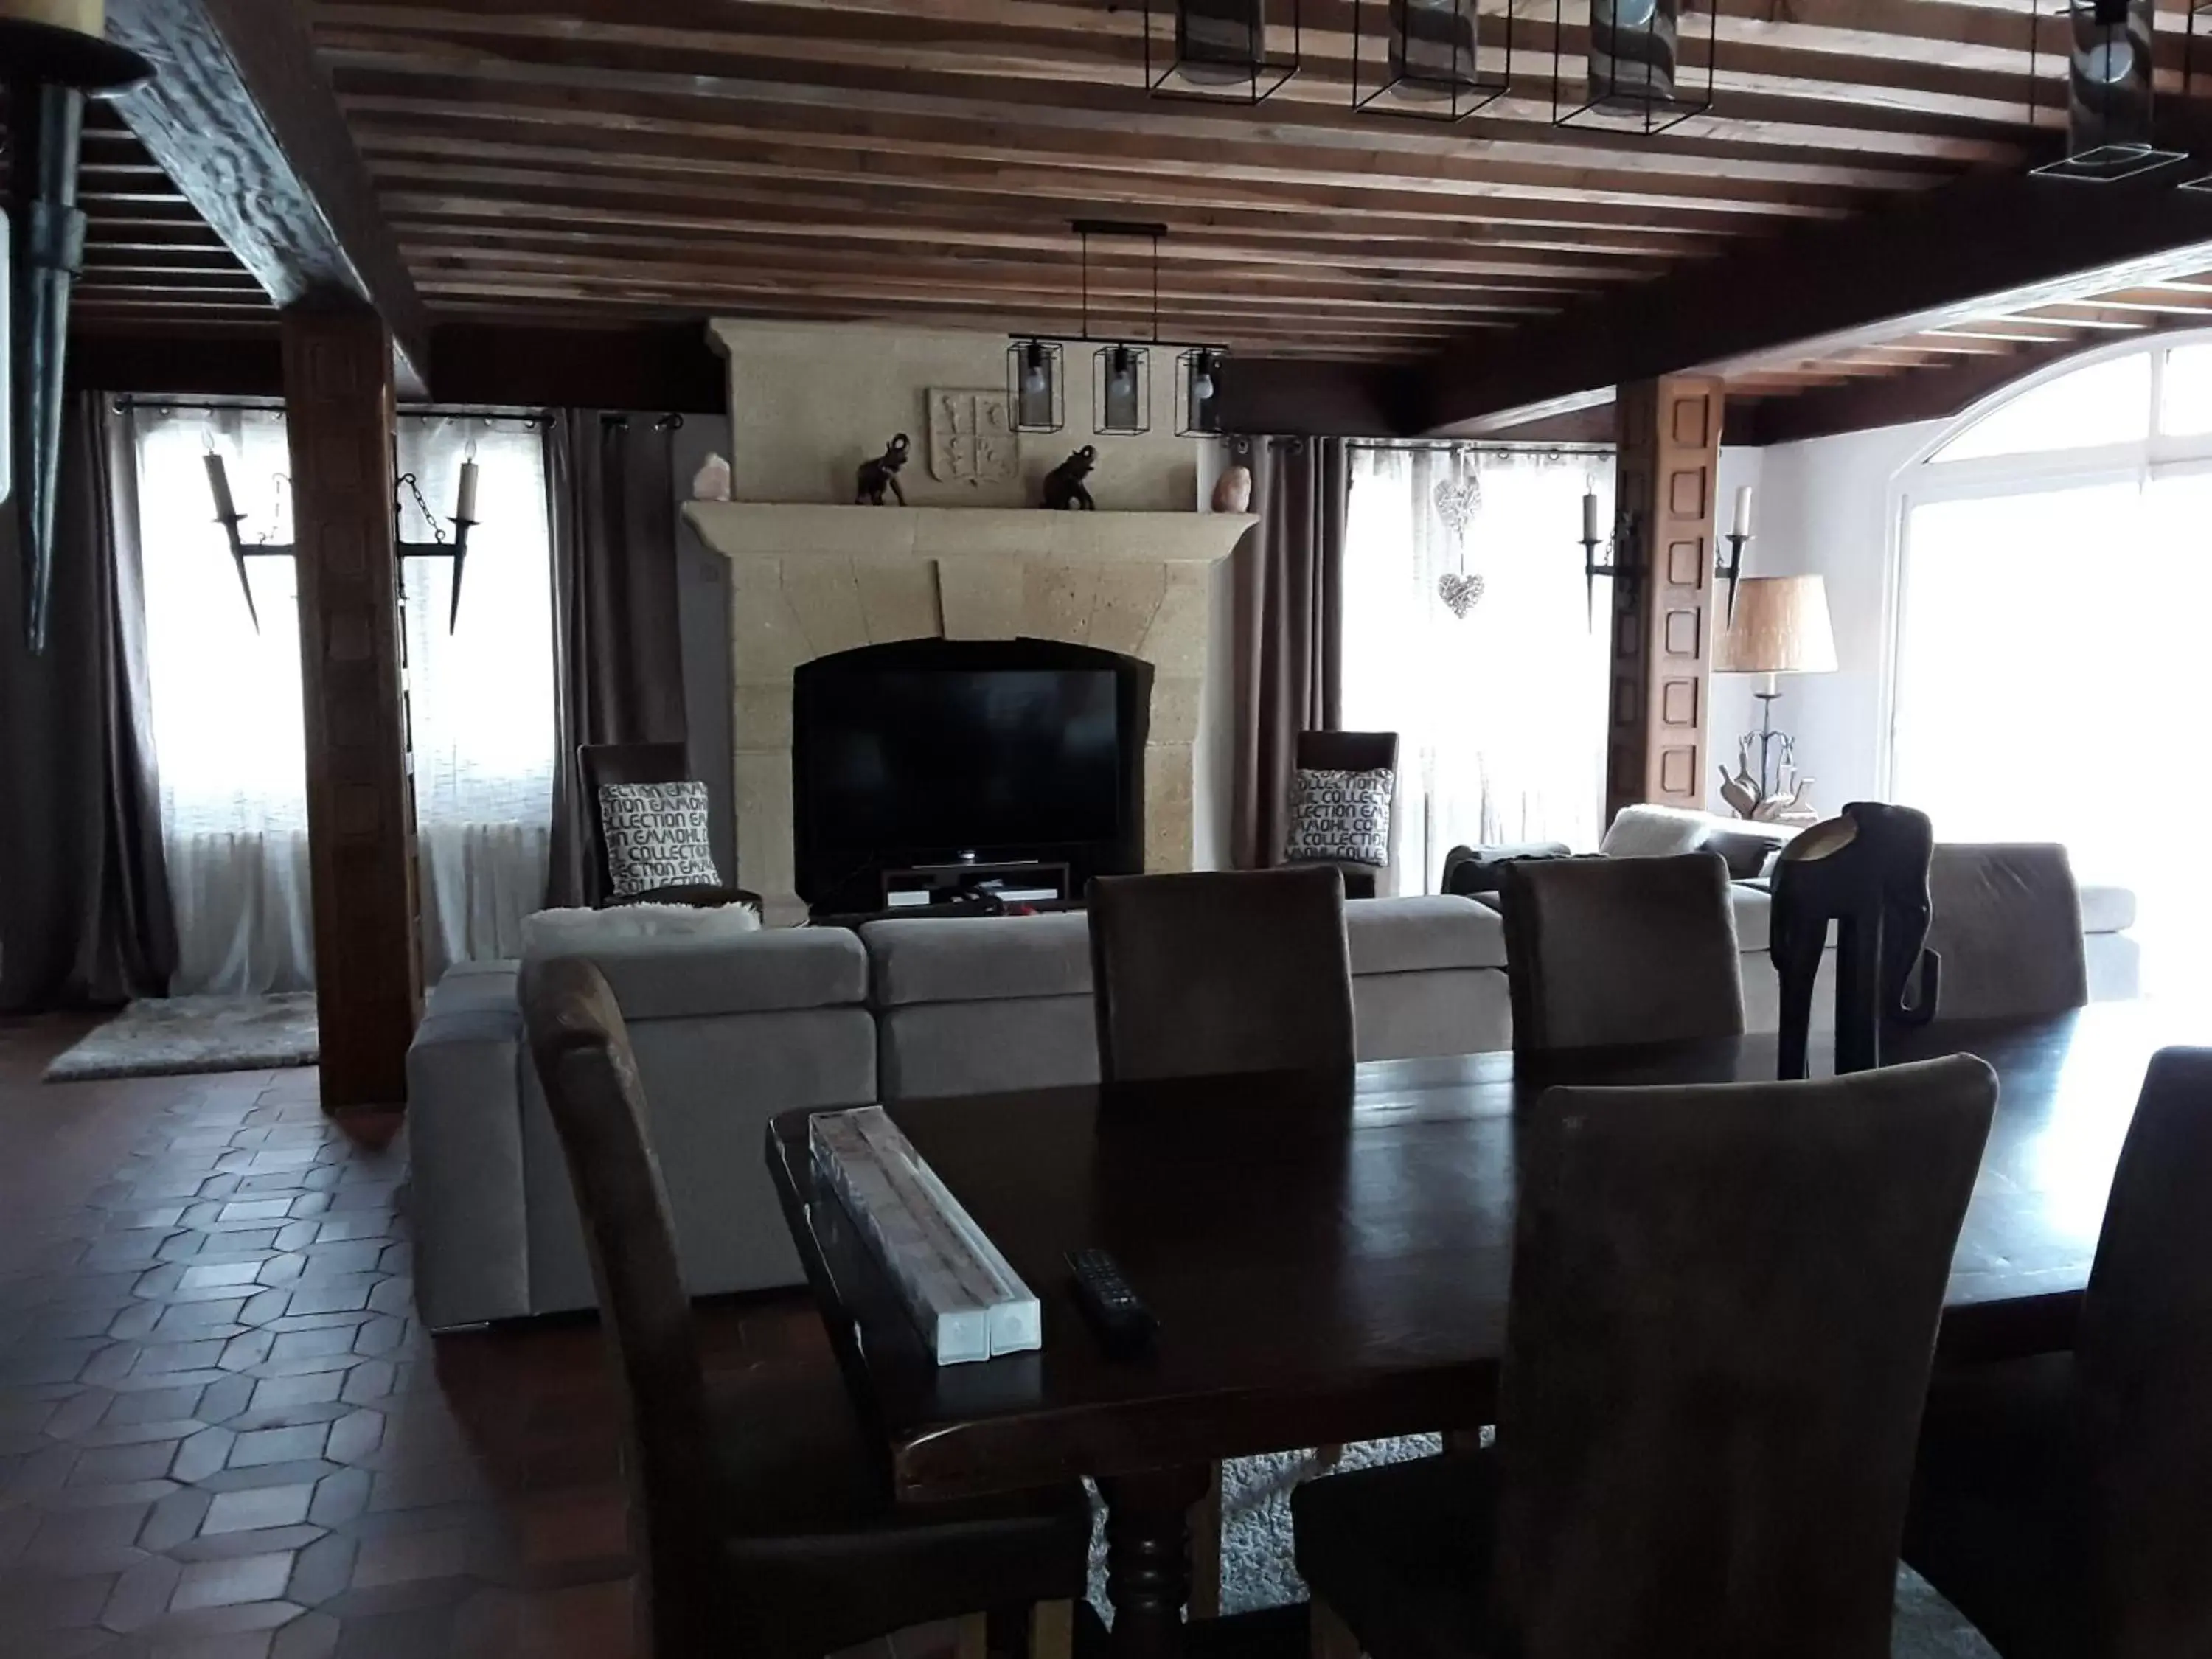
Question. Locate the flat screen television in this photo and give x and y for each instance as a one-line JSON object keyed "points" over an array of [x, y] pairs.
{"points": [[927, 751]]}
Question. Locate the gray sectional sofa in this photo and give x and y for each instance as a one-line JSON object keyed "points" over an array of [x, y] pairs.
{"points": [[730, 1031]]}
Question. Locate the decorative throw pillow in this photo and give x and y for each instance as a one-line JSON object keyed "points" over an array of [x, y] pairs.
{"points": [[1344, 816], [656, 836]]}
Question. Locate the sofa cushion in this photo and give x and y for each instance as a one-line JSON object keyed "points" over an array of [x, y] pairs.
{"points": [[1438, 933], [2108, 909], [978, 958], [759, 973]]}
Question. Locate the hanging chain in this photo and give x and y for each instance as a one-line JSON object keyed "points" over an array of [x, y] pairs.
{"points": [[437, 531]]}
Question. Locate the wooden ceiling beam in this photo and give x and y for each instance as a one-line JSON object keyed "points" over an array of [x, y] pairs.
{"points": [[1119, 291], [447, 223], [243, 119], [1930, 262], [853, 205], [1161, 194]]}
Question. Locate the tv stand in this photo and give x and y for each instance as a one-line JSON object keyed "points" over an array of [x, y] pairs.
{"points": [[922, 889]]}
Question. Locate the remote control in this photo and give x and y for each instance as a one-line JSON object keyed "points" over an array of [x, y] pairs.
{"points": [[1124, 1324]]}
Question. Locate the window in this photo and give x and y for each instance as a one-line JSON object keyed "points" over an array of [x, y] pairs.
{"points": [[479, 685], [1500, 712], [2049, 673], [229, 734]]}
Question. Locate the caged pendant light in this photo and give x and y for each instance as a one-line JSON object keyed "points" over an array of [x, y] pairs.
{"points": [[1633, 75], [1424, 59], [1034, 400], [2109, 90], [1224, 51]]}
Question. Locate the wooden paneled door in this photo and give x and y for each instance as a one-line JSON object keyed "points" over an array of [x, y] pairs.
{"points": [[360, 816], [1668, 467]]}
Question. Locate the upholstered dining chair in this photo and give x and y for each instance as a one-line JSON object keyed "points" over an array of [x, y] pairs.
{"points": [[2007, 926], [1354, 751], [1723, 1305], [1220, 971], [760, 1525], [601, 763], [2064, 1504], [1602, 951]]}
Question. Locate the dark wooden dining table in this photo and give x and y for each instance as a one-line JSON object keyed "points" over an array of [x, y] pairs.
{"points": [[1329, 1259]]}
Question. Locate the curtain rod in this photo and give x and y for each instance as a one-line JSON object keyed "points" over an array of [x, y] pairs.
{"points": [[1464, 445]]}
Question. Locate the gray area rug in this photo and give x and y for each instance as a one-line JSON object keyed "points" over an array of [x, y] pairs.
{"points": [[1256, 1568], [170, 1037]]}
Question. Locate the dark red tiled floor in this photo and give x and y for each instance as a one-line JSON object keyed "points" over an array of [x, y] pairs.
{"points": [[224, 1436]]}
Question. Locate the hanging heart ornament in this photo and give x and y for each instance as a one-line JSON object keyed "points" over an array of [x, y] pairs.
{"points": [[1458, 591], [1457, 500]]}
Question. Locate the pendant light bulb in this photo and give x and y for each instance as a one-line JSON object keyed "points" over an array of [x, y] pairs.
{"points": [[1124, 381], [1033, 380]]}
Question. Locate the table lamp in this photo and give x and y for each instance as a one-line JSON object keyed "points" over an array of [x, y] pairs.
{"points": [[1780, 627]]}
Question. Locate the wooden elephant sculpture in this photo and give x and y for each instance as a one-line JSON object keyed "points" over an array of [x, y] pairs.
{"points": [[1866, 871]]}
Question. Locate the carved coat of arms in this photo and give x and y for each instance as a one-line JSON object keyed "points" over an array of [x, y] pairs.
{"points": [[970, 439]]}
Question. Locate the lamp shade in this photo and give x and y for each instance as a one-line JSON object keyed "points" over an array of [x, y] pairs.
{"points": [[1781, 627]]}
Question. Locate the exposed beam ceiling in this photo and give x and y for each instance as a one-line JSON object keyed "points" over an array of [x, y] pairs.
{"points": [[241, 118], [920, 160]]}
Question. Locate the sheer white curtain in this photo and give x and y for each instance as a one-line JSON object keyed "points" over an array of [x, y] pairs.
{"points": [[226, 699], [480, 696], [1500, 712]]}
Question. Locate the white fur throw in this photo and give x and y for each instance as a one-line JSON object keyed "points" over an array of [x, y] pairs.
{"points": [[1655, 832], [579, 932]]}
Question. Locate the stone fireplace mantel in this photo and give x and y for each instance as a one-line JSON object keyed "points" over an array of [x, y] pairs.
{"points": [[809, 581]]}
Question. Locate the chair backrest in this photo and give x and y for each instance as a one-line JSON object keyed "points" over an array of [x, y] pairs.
{"points": [[1723, 1307], [1347, 751], [2008, 926], [2145, 1362], [590, 1077], [600, 763], [1616, 951], [1222, 971]]}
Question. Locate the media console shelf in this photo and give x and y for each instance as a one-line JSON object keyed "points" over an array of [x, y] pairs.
{"points": [[926, 887]]}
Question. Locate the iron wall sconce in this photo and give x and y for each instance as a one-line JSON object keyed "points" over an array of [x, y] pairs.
{"points": [[51, 70], [1624, 562], [1217, 51], [464, 520]]}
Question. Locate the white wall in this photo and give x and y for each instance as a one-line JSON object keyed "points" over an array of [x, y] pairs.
{"points": [[1824, 509], [809, 402]]}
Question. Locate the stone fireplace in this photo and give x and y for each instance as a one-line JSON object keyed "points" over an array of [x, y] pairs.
{"points": [[807, 580]]}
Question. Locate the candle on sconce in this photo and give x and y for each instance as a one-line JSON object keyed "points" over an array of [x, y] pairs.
{"points": [[1590, 515], [1743, 510], [465, 509], [219, 486]]}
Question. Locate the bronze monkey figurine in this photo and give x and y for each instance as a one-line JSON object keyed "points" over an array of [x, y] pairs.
{"points": [[1064, 487], [882, 474]]}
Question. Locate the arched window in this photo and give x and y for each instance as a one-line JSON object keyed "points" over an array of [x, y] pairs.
{"points": [[2052, 668]]}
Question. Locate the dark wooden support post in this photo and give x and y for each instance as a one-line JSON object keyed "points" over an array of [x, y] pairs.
{"points": [[361, 818], [1667, 474]]}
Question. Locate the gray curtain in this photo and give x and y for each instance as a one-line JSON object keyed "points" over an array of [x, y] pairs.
{"points": [[1288, 627], [84, 900], [618, 652]]}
